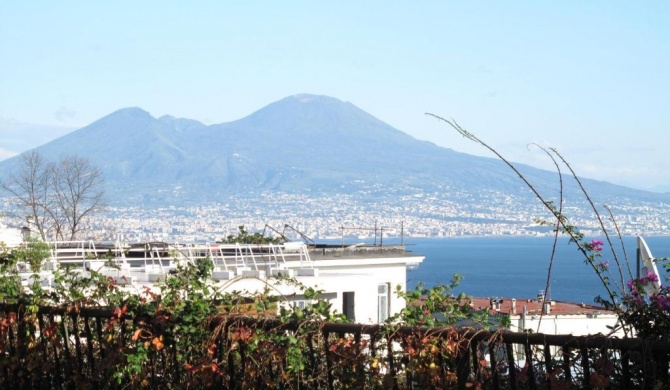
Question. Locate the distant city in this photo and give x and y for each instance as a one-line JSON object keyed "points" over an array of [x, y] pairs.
{"points": [[355, 216], [325, 168]]}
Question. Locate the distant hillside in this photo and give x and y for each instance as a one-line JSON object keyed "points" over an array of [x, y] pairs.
{"points": [[303, 143]]}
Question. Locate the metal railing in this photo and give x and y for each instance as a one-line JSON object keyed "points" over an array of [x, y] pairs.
{"points": [[63, 348], [225, 256]]}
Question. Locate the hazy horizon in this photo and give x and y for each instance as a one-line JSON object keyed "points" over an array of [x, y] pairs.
{"points": [[589, 79]]}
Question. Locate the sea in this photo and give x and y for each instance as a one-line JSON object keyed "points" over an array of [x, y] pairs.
{"points": [[516, 267]]}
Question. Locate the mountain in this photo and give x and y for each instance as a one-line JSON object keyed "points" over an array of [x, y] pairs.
{"points": [[302, 143]]}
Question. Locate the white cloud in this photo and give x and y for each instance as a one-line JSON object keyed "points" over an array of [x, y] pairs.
{"points": [[64, 114]]}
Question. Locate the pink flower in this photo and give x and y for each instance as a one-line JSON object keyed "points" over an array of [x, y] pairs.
{"points": [[596, 245], [651, 277]]}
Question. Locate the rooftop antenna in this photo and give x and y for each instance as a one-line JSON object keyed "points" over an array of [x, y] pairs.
{"points": [[286, 239], [304, 237], [649, 265], [375, 229]]}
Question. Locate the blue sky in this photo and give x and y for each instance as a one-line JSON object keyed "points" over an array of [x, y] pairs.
{"points": [[589, 78]]}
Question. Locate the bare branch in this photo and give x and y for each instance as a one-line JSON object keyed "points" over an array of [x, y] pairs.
{"points": [[56, 198]]}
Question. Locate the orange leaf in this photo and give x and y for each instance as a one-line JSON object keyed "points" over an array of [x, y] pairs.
{"points": [[157, 343]]}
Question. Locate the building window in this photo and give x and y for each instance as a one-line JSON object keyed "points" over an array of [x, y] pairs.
{"points": [[382, 302], [348, 305], [300, 304]]}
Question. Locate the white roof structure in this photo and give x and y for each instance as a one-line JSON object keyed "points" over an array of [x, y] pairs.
{"points": [[358, 281], [11, 237]]}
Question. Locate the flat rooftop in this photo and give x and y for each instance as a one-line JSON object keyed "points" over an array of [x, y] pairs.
{"points": [[322, 252], [534, 307]]}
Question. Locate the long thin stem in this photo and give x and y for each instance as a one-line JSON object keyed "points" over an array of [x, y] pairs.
{"points": [[561, 219], [556, 233], [623, 247], [600, 221]]}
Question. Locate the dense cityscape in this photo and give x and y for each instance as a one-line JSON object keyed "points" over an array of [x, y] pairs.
{"points": [[357, 216]]}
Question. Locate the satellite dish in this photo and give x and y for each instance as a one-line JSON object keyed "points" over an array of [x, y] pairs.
{"points": [[648, 265]]}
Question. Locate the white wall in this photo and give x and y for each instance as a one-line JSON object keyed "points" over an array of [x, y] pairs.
{"points": [[362, 279], [576, 324], [10, 237]]}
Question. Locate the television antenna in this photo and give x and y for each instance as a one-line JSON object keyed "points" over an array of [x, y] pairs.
{"points": [[306, 239], [286, 239]]}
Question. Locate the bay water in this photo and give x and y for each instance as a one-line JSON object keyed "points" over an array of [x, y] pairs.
{"points": [[516, 267]]}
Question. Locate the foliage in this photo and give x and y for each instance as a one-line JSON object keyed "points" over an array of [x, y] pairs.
{"points": [[243, 237], [10, 281], [185, 333], [32, 252], [438, 306], [647, 315], [25, 259]]}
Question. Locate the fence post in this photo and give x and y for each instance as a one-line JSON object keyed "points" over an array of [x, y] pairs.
{"points": [[229, 352], [66, 349], [44, 377], [89, 341], [360, 369], [329, 364], [567, 369], [661, 372], [77, 344], [98, 329], [584, 352], [625, 369], [9, 373], [463, 367], [530, 371], [494, 365], [511, 364], [474, 346], [392, 367], [547, 363]]}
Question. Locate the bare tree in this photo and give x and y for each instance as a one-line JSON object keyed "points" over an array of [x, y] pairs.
{"points": [[79, 193], [57, 198], [31, 188]]}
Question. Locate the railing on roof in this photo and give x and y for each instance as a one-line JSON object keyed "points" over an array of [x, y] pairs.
{"points": [[63, 348], [263, 257], [358, 250], [162, 257]]}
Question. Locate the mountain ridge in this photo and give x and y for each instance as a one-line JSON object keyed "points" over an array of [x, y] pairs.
{"points": [[301, 143]]}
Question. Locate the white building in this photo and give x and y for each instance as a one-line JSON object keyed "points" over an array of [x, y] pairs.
{"points": [[11, 237], [564, 318], [357, 280]]}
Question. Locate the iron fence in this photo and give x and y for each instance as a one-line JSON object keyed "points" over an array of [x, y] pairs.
{"points": [[56, 347]]}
